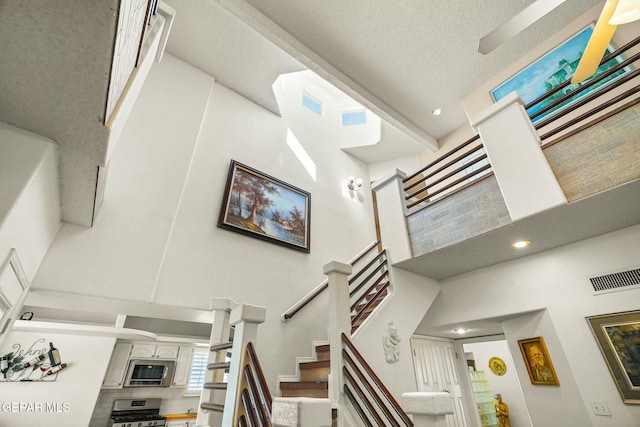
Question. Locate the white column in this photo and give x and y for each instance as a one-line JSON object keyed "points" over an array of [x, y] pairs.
{"points": [[339, 322], [246, 319], [428, 409], [221, 308], [391, 214], [526, 180]]}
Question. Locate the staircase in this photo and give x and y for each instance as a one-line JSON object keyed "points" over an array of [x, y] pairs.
{"points": [[314, 377], [368, 288]]}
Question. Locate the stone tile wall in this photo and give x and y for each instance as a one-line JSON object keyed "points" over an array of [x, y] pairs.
{"points": [[475, 210], [598, 158]]}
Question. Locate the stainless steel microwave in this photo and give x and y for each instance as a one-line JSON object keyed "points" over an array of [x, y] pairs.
{"points": [[149, 373]]}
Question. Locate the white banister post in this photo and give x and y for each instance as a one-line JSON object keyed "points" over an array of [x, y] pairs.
{"points": [[339, 322], [246, 319], [428, 409], [221, 308], [526, 180], [391, 214]]}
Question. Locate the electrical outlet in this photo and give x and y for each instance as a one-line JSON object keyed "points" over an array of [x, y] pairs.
{"points": [[600, 408]]}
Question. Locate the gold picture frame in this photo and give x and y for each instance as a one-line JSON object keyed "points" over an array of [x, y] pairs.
{"points": [[538, 362], [618, 335]]}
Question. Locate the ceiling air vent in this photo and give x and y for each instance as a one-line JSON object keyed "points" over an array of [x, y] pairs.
{"points": [[622, 280]]}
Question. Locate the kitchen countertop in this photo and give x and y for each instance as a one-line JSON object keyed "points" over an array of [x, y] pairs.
{"points": [[180, 416]]}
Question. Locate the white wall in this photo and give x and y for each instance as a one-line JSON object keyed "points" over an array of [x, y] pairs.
{"points": [[29, 197], [156, 238], [558, 281], [507, 384], [74, 392], [411, 295]]}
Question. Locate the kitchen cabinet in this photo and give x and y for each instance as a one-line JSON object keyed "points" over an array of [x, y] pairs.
{"points": [[153, 351], [183, 366], [114, 378]]}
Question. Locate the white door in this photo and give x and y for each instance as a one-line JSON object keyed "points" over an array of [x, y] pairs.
{"points": [[435, 366]]}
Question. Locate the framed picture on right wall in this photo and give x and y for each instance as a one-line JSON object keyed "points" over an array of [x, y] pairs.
{"points": [[618, 336], [538, 363]]}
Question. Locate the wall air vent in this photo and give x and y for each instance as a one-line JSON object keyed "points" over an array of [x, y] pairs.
{"points": [[620, 281]]}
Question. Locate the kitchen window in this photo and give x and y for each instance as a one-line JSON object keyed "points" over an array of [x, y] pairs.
{"points": [[198, 371]]}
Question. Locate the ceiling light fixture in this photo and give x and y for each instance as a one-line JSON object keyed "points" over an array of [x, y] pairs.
{"points": [[520, 244], [437, 111], [626, 11], [460, 330]]}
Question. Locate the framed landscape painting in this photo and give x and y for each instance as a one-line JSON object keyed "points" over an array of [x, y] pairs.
{"points": [[618, 336], [265, 207], [538, 363], [553, 69]]}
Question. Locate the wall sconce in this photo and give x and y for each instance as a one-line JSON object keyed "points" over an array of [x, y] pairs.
{"points": [[354, 184]]}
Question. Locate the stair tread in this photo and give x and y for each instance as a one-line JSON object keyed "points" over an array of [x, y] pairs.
{"points": [[314, 364], [304, 385]]}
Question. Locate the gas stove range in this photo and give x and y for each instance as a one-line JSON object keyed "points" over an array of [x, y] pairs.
{"points": [[137, 413]]}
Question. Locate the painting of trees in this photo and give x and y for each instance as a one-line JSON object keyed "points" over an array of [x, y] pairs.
{"points": [[265, 207]]}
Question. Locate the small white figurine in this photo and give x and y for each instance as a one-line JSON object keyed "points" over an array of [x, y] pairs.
{"points": [[390, 342]]}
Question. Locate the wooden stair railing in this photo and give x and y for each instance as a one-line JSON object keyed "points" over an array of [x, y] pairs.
{"points": [[376, 284], [255, 407], [324, 285], [361, 381]]}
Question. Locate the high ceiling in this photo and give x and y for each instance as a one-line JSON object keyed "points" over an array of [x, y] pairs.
{"points": [[400, 59]]}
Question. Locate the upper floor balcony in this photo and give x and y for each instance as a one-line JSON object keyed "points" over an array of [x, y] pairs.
{"points": [[560, 169]]}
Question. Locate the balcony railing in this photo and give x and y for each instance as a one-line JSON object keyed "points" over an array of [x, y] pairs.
{"points": [[447, 174], [462, 166]]}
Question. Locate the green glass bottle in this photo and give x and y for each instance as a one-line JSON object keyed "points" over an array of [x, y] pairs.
{"points": [[54, 355]]}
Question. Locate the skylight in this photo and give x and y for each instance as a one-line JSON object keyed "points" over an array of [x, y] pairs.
{"points": [[312, 104], [352, 118]]}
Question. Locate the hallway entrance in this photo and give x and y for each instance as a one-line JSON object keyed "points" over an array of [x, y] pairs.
{"points": [[436, 370]]}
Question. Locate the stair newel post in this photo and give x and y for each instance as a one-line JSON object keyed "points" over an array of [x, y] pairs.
{"points": [[221, 308], [245, 318], [339, 323]]}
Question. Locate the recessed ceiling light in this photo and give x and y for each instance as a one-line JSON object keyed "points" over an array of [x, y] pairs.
{"points": [[520, 244], [437, 111], [460, 330]]}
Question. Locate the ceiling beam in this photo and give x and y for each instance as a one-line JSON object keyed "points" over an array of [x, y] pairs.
{"points": [[264, 26]]}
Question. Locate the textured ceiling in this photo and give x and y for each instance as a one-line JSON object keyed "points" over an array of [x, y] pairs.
{"points": [[399, 59], [406, 57]]}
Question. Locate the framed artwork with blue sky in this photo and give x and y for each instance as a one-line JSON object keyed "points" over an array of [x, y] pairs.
{"points": [[553, 69], [265, 207]]}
